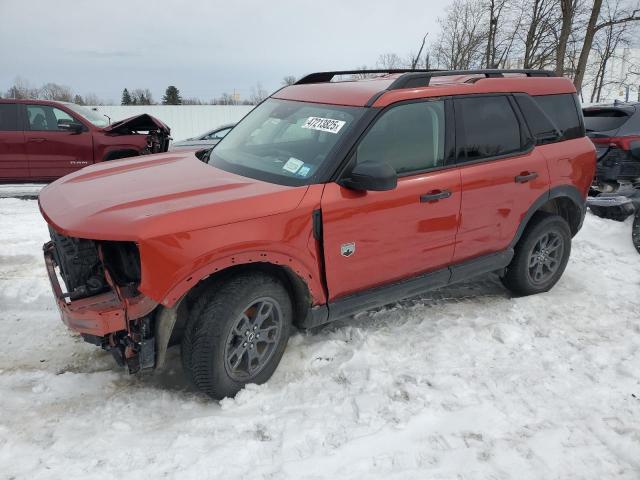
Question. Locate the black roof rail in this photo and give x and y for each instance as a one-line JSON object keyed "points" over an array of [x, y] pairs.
{"points": [[323, 77], [422, 79], [413, 78]]}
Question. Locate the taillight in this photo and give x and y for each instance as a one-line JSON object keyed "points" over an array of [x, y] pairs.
{"points": [[623, 143]]}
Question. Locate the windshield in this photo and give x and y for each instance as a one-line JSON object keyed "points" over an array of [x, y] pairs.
{"points": [[94, 117], [284, 141]]}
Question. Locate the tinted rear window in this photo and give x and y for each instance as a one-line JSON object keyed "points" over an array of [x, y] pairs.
{"points": [[8, 117], [601, 120], [486, 127], [563, 111]]}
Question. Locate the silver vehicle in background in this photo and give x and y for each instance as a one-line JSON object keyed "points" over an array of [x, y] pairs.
{"points": [[206, 140]]}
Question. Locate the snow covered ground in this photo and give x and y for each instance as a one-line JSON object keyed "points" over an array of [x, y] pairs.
{"points": [[463, 383]]}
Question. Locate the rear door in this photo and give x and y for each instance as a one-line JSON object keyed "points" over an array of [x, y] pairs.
{"points": [[54, 152], [501, 173], [13, 157], [376, 238]]}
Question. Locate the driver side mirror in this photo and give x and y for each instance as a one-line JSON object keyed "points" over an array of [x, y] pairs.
{"points": [[73, 127], [373, 176]]}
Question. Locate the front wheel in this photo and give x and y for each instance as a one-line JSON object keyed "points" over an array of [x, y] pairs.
{"points": [[540, 257], [238, 335]]}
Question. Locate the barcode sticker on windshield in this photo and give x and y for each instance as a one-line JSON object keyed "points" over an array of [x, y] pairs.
{"points": [[323, 124]]}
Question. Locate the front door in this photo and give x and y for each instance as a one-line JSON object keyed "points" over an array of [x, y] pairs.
{"points": [[13, 156], [54, 152], [374, 238]]}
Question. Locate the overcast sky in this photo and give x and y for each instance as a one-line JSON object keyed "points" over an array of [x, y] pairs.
{"points": [[205, 48]]}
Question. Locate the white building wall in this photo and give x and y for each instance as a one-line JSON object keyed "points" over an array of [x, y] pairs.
{"points": [[618, 76], [184, 120]]}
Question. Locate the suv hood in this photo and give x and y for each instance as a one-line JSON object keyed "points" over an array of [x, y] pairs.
{"points": [[146, 197], [143, 122]]}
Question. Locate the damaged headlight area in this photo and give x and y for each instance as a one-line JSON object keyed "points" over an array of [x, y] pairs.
{"points": [[84, 265], [102, 301]]}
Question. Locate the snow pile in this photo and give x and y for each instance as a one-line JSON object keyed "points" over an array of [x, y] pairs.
{"points": [[465, 382]]}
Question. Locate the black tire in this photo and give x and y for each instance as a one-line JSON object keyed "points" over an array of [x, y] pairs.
{"points": [[635, 231], [536, 267], [214, 340]]}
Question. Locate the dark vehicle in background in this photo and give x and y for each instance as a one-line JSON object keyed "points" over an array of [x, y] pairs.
{"points": [[615, 131], [43, 140], [206, 140]]}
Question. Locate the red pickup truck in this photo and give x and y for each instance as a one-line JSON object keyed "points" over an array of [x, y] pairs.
{"points": [[43, 140], [329, 198]]}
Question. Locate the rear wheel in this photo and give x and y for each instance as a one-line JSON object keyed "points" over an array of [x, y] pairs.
{"points": [[540, 257], [237, 334]]}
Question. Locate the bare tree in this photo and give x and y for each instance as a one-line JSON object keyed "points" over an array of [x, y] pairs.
{"points": [[225, 99], [539, 43], [461, 40], [53, 91], [414, 60], [141, 96], [568, 9], [504, 21], [93, 99], [594, 25], [389, 61], [288, 80], [192, 101], [21, 89], [258, 94], [606, 44]]}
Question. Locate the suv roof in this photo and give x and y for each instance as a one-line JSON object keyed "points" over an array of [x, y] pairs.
{"points": [[32, 101], [397, 85]]}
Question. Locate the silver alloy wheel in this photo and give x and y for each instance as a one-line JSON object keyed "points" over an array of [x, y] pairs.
{"points": [[253, 339], [545, 257]]}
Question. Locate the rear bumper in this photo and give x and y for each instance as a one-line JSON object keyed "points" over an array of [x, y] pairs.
{"points": [[98, 315]]}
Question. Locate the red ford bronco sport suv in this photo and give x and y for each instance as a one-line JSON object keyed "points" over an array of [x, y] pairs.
{"points": [[329, 198], [42, 140]]}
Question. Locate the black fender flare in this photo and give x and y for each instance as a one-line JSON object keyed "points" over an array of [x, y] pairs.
{"points": [[562, 191]]}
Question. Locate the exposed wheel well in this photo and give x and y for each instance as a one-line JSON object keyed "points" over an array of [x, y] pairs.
{"points": [[297, 288], [117, 154], [567, 209]]}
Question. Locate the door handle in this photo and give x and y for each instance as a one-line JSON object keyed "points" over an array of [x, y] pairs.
{"points": [[526, 177], [435, 195], [37, 139]]}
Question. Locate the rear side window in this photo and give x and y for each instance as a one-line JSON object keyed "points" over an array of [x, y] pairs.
{"points": [[563, 111], [409, 137], [485, 127], [8, 117], [603, 119]]}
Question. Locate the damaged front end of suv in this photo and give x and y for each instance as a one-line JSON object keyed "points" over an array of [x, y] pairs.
{"points": [[101, 300]]}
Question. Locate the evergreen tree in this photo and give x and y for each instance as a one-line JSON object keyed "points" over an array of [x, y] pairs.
{"points": [[78, 100], [171, 96], [126, 98]]}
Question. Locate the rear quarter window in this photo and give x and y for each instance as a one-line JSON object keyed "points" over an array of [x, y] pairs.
{"points": [[564, 112], [8, 117]]}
